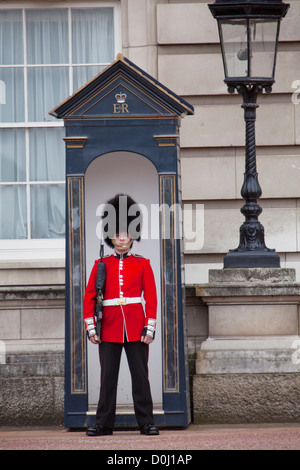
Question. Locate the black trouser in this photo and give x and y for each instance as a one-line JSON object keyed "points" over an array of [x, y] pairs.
{"points": [[110, 357]]}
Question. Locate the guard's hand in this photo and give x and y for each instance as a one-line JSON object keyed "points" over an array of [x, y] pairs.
{"points": [[146, 339], [95, 340]]}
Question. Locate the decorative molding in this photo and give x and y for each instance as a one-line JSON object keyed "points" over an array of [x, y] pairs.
{"points": [[166, 140], [169, 286], [75, 142], [76, 273]]}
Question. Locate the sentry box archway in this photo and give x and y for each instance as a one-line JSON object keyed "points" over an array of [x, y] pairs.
{"points": [[122, 135]]}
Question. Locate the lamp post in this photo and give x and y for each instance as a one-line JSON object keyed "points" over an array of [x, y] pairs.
{"points": [[249, 32]]}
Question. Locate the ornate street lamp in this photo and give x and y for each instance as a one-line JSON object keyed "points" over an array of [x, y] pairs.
{"points": [[249, 31]]}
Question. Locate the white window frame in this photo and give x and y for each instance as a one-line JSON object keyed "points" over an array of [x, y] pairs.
{"points": [[37, 249]]}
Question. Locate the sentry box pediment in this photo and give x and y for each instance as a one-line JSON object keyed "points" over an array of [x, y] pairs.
{"points": [[122, 90]]}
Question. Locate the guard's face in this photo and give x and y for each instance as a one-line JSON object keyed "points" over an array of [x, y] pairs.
{"points": [[122, 242]]}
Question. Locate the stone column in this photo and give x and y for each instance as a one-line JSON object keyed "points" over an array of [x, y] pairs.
{"points": [[139, 39], [248, 368]]}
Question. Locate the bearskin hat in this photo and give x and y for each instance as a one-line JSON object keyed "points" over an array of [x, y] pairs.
{"points": [[121, 214]]}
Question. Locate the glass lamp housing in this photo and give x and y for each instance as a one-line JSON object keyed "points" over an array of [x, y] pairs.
{"points": [[249, 32]]}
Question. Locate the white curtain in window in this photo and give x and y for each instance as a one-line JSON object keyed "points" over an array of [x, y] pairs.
{"points": [[12, 155], [47, 211], [92, 35], [11, 37], [92, 42], [12, 107], [12, 197], [47, 87], [13, 212], [47, 43], [47, 36], [82, 75], [11, 79], [47, 163], [47, 154]]}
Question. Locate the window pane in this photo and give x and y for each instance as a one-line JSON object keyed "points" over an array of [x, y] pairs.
{"points": [[47, 211], [47, 87], [234, 34], [263, 38], [13, 212], [92, 35], [11, 37], [47, 36], [12, 155], [12, 95], [81, 75], [47, 154]]}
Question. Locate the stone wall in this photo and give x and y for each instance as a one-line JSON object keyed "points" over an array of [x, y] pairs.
{"points": [[32, 389], [32, 355], [247, 370], [246, 398]]}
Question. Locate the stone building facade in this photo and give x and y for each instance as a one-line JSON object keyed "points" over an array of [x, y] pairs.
{"points": [[176, 42]]}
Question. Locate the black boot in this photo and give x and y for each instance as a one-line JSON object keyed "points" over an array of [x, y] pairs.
{"points": [[149, 429], [99, 430]]}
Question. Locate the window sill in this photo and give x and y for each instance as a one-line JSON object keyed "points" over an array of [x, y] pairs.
{"points": [[32, 253]]}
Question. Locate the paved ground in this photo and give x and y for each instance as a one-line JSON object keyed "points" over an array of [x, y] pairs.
{"points": [[242, 437]]}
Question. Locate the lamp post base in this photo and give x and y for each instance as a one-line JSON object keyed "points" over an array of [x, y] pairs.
{"points": [[252, 259]]}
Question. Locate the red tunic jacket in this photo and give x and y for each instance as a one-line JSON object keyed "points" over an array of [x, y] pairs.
{"points": [[129, 276]]}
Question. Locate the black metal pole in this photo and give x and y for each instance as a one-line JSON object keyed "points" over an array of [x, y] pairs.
{"points": [[252, 250]]}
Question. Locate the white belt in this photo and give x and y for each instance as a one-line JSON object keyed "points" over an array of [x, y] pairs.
{"points": [[122, 301]]}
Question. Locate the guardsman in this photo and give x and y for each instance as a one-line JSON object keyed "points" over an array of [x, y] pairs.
{"points": [[125, 322]]}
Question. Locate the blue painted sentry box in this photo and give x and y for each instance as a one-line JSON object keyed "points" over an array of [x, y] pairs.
{"points": [[124, 109]]}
